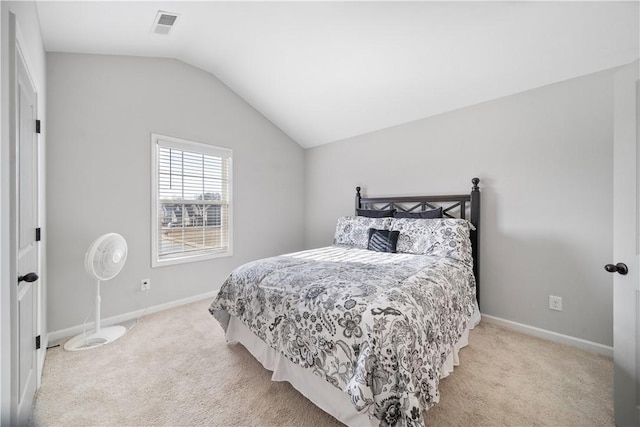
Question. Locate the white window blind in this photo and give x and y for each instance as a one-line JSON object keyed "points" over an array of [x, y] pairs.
{"points": [[192, 201]]}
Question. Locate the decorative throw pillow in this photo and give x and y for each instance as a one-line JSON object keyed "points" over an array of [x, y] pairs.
{"points": [[373, 213], [446, 237], [433, 213], [354, 230], [383, 240]]}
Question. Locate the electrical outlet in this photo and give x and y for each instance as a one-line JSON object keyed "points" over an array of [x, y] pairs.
{"points": [[145, 285], [555, 303]]}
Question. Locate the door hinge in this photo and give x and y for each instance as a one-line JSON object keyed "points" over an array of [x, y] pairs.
{"points": [[37, 126], [38, 234], [38, 342]]}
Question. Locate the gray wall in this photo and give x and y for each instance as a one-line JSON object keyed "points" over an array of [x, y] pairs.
{"points": [[102, 110], [545, 162]]}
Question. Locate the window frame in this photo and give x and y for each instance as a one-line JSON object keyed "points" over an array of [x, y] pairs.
{"points": [[157, 141]]}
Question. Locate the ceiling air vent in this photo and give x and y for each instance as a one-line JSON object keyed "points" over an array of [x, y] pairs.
{"points": [[164, 22]]}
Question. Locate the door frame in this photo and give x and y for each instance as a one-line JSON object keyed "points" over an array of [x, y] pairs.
{"points": [[13, 49], [21, 52], [626, 293]]}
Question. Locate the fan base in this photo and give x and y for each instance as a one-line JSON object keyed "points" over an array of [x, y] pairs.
{"points": [[104, 336]]}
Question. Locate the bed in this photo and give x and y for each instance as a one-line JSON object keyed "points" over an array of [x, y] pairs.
{"points": [[367, 327]]}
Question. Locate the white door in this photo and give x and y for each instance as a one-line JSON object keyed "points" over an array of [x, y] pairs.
{"points": [[27, 251], [626, 247]]}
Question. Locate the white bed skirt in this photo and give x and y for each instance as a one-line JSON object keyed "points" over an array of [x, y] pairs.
{"points": [[316, 389]]}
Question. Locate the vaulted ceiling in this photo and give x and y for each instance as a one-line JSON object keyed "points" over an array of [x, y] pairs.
{"points": [[326, 71]]}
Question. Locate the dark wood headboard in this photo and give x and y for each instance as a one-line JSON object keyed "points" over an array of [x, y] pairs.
{"points": [[465, 206]]}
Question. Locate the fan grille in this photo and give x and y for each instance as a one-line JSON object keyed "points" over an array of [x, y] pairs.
{"points": [[106, 256]]}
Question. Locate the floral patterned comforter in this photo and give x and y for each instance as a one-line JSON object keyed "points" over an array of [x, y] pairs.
{"points": [[377, 326]]}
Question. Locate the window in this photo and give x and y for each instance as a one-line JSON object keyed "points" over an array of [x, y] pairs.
{"points": [[191, 213]]}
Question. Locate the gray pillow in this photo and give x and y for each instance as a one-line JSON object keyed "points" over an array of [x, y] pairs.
{"points": [[373, 213], [430, 214], [383, 240]]}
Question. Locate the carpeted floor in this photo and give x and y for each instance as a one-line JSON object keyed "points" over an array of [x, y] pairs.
{"points": [[174, 368]]}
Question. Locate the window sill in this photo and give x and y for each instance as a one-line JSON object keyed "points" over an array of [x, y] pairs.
{"points": [[189, 258]]}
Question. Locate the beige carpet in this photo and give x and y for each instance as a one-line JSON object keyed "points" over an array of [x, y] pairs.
{"points": [[174, 368]]}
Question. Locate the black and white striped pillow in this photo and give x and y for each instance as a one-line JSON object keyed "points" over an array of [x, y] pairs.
{"points": [[383, 240]]}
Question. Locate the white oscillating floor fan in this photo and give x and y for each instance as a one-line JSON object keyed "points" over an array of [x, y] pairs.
{"points": [[104, 260]]}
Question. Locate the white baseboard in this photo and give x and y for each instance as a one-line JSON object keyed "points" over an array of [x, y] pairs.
{"points": [[54, 336], [605, 350]]}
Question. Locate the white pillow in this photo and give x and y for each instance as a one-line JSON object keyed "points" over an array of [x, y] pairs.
{"points": [[445, 237], [354, 230]]}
